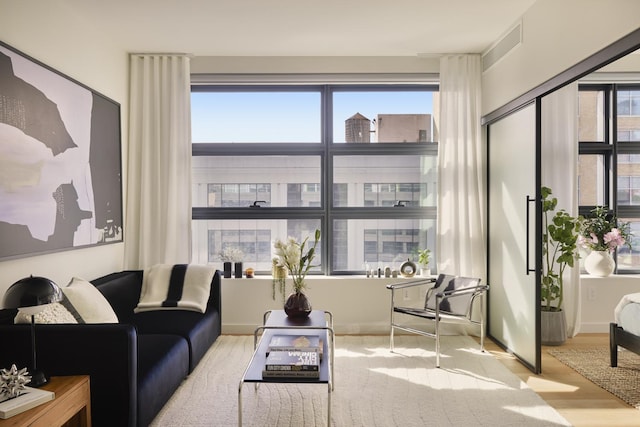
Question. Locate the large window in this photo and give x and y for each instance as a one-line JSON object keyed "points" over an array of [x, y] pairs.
{"points": [[609, 161], [356, 161]]}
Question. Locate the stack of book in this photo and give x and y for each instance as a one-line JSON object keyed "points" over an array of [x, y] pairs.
{"points": [[293, 356], [30, 398]]}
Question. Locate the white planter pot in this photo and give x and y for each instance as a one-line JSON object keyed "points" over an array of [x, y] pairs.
{"points": [[599, 263]]}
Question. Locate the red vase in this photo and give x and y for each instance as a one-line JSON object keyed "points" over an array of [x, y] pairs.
{"points": [[297, 306]]}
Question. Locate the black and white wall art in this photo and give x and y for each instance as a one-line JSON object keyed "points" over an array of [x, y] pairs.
{"points": [[60, 161]]}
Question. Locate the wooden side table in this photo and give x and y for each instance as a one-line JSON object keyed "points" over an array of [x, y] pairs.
{"points": [[71, 406]]}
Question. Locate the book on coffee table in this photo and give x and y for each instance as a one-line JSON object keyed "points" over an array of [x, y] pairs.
{"points": [[296, 363], [30, 398], [296, 360], [295, 342], [311, 375]]}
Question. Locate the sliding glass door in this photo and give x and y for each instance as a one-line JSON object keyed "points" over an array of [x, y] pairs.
{"points": [[513, 176]]}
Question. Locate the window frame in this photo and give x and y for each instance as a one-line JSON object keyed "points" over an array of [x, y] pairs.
{"points": [[610, 148], [327, 150]]}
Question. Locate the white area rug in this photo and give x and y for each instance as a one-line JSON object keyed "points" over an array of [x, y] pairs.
{"points": [[373, 387]]}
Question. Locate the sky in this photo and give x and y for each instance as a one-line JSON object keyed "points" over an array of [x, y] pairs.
{"points": [[290, 116]]}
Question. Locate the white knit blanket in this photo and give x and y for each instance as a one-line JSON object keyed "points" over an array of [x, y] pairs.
{"points": [[176, 287]]}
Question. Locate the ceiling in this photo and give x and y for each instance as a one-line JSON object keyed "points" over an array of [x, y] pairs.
{"points": [[300, 27]]}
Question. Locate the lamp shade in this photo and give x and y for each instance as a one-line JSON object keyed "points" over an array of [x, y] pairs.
{"points": [[32, 291]]}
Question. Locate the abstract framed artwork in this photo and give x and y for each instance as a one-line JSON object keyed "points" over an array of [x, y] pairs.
{"points": [[60, 161]]}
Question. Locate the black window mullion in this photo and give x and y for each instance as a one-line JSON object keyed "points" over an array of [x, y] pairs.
{"points": [[614, 143], [327, 176]]}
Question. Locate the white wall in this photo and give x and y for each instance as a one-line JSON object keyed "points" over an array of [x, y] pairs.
{"points": [[556, 36], [313, 65], [359, 305], [599, 297], [57, 38]]}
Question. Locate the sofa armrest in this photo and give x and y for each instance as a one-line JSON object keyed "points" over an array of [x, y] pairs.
{"points": [[105, 352], [215, 296]]}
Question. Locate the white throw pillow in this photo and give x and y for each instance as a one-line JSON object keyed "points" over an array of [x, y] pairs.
{"points": [[86, 303], [51, 313], [193, 290]]}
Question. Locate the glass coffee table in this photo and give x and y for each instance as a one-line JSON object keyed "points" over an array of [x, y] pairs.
{"points": [[319, 323]]}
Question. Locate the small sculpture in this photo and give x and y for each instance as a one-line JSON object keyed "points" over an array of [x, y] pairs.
{"points": [[12, 382]]}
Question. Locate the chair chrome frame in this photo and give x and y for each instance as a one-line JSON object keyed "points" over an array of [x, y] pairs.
{"points": [[435, 314]]}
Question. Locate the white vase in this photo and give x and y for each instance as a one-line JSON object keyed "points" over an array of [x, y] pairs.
{"points": [[599, 263]]}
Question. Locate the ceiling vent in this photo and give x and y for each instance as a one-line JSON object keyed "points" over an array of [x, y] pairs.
{"points": [[512, 39]]}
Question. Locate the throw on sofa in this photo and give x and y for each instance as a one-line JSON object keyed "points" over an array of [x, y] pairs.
{"points": [[134, 365]]}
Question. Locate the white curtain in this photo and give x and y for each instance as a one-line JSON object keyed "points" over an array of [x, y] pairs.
{"points": [[560, 173], [158, 220], [461, 166]]}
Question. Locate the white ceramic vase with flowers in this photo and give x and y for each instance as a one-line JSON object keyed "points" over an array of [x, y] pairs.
{"points": [[601, 233]]}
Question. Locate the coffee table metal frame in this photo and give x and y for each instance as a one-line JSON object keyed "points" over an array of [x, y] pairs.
{"points": [[276, 321]]}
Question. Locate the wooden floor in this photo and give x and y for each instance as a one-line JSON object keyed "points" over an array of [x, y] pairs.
{"points": [[580, 401]]}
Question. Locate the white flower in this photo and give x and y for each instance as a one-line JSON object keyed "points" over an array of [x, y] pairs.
{"points": [[290, 254], [230, 254]]}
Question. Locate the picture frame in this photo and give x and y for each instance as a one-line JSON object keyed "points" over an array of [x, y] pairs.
{"points": [[60, 161]]}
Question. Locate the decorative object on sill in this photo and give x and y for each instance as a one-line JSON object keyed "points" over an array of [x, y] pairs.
{"points": [[292, 256], [279, 274], [602, 234], [249, 273], [599, 263], [238, 269], [408, 268], [559, 251], [387, 272], [13, 382], [30, 295], [228, 256], [227, 269], [394, 273], [424, 256]]}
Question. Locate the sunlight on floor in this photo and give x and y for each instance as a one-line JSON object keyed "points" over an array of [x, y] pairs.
{"points": [[535, 412], [541, 385], [438, 379]]}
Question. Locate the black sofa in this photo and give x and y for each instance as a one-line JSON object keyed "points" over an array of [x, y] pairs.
{"points": [[135, 365]]}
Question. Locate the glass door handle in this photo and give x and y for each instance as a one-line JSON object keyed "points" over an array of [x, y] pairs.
{"points": [[528, 233]]}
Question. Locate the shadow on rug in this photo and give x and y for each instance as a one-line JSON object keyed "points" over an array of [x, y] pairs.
{"points": [[373, 387], [593, 364]]}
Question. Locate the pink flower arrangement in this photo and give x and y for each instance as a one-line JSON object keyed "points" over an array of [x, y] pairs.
{"points": [[601, 231]]}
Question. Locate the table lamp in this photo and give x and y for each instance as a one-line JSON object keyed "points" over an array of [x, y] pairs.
{"points": [[30, 295]]}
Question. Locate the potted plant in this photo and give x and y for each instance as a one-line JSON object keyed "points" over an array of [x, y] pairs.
{"points": [[601, 233], [291, 254], [424, 256], [559, 250]]}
